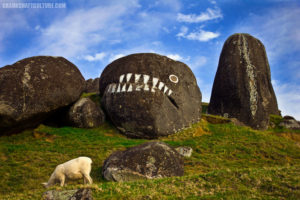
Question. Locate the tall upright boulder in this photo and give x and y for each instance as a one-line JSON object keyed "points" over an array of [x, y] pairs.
{"points": [[147, 95], [242, 87], [34, 88]]}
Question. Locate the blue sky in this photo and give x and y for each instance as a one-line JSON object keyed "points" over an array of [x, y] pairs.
{"points": [[93, 33]]}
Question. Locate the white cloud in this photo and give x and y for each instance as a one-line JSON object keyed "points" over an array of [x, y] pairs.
{"points": [[82, 29], [183, 31], [175, 57], [209, 14], [202, 35], [96, 57], [288, 97]]}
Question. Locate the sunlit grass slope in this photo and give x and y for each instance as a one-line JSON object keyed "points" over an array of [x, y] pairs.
{"points": [[228, 162]]}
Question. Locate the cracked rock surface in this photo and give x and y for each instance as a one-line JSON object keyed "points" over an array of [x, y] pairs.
{"points": [[148, 95], [242, 87], [34, 88], [146, 161], [85, 114]]}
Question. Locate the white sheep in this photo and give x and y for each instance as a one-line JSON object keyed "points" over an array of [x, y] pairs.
{"points": [[72, 169]]}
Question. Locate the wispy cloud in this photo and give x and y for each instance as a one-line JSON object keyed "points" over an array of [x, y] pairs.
{"points": [[96, 57], [175, 57], [11, 20], [201, 35], [278, 28], [209, 14], [82, 29], [183, 31]]}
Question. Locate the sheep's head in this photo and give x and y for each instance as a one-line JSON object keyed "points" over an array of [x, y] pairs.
{"points": [[148, 95]]}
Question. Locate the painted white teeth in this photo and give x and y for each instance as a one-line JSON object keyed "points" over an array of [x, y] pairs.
{"points": [[125, 79], [129, 88], [138, 87], [154, 81], [124, 88], [166, 88], [109, 88], [152, 89], [128, 77], [146, 79], [121, 78], [113, 88], [161, 85], [146, 88], [119, 88], [137, 78]]}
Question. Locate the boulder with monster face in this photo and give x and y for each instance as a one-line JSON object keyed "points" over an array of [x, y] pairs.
{"points": [[148, 95]]}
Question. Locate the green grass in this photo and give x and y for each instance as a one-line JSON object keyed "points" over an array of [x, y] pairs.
{"points": [[228, 162]]}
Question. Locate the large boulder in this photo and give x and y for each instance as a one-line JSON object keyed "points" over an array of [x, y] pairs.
{"points": [[147, 161], [290, 122], [242, 87], [34, 88], [92, 86], [85, 114], [148, 95]]}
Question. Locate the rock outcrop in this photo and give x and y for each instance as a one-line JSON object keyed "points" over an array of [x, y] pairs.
{"points": [[289, 122], [85, 114], [92, 86], [147, 161], [80, 194], [34, 88], [242, 87], [148, 95]]}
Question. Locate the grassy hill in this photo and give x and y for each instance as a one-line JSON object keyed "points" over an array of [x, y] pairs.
{"points": [[228, 162]]}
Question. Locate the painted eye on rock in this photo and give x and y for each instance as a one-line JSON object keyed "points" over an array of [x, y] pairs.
{"points": [[173, 78]]}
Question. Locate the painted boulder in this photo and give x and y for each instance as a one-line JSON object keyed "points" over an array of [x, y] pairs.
{"points": [[148, 95], [242, 87]]}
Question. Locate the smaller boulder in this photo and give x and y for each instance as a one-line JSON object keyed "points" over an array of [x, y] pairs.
{"points": [[58, 195], [147, 161], [86, 114], [290, 123], [185, 151], [92, 86], [82, 194]]}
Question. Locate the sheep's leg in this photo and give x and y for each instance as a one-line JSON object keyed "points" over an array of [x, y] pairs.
{"points": [[87, 177], [62, 181]]}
